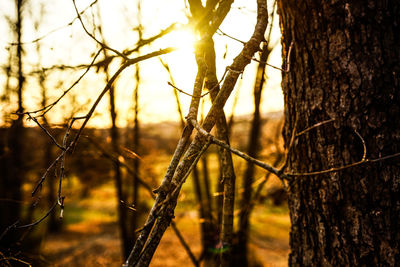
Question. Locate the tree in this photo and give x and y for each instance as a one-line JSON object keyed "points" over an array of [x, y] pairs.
{"points": [[163, 209], [341, 86], [54, 223], [205, 20], [12, 162], [242, 254]]}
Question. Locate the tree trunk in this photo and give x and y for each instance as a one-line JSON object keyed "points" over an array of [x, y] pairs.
{"points": [[127, 242], [135, 164], [208, 228], [226, 162], [54, 223], [11, 154], [252, 150], [344, 71], [134, 216]]}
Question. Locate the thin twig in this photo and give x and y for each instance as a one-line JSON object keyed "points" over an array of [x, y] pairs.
{"points": [[290, 148], [46, 131], [40, 220], [39, 184], [288, 59], [15, 259], [108, 59], [50, 106], [335, 169], [113, 158], [143, 42], [235, 151], [94, 38], [56, 29], [157, 223], [181, 91], [266, 63], [130, 207], [14, 225], [292, 174], [364, 146], [185, 245], [111, 81], [60, 199], [314, 126], [220, 32], [149, 190], [178, 102]]}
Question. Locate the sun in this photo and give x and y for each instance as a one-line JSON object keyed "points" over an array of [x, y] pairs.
{"points": [[182, 38]]}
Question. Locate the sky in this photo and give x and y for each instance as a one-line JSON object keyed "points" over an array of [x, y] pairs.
{"points": [[70, 45]]}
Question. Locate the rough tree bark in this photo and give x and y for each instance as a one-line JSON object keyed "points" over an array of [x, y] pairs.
{"points": [[344, 69]]}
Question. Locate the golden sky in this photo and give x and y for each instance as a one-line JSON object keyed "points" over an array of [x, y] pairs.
{"points": [[71, 46]]}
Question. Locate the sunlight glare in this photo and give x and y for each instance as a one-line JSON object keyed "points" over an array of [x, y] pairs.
{"points": [[182, 38]]}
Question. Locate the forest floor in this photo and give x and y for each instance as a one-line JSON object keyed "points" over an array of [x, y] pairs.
{"points": [[98, 244], [90, 236]]}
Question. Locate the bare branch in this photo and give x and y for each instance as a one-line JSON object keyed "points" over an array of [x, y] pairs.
{"points": [[103, 45], [197, 89], [7, 259], [266, 63], [46, 131], [128, 63], [50, 106], [39, 184], [114, 158], [185, 245], [314, 126], [364, 146], [219, 15], [166, 183], [40, 220], [143, 42], [235, 151], [139, 44], [57, 29], [206, 93], [220, 32], [183, 92], [178, 185], [289, 150], [178, 102], [14, 225], [108, 155], [363, 160], [288, 59], [158, 222]]}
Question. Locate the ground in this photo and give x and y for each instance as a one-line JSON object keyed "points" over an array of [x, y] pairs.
{"points": [[90, 236], [97, 244]]}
